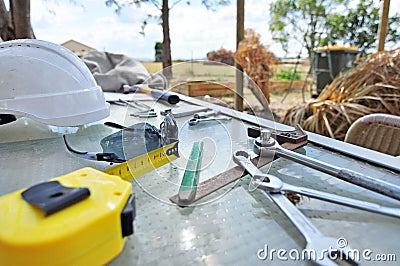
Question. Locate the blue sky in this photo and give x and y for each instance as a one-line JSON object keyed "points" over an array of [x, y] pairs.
{"points": [[194, 30]]}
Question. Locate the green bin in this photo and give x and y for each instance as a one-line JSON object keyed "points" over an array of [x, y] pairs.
{"points": [[330, 61]]}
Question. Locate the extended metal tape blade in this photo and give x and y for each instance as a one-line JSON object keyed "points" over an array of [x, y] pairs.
{"points": [[145, 163]]}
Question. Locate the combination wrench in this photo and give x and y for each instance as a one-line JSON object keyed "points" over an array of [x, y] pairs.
{"points": [[273, 184], [323, 248], [265, 145]]}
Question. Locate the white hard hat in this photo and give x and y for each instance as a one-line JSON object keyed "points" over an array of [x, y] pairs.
{"points": [[48, 83]]}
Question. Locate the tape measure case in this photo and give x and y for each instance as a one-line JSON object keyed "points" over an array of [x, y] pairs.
{"points": [[89, 232]]}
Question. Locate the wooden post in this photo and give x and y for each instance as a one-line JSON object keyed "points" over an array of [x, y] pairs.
{"points": [[166, 45], [383, 25], [239, 71]]}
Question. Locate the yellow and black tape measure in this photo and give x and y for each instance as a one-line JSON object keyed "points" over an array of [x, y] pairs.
{"points": [[82, 218], [145, 163]]}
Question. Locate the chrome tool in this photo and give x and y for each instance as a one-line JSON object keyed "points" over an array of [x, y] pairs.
{"points": [[267, 146], [273, 184], [322, 246], [195, 121]]}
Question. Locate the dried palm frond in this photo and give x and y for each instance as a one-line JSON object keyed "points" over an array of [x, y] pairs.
{"points": [[371, 87], [256, 60]]}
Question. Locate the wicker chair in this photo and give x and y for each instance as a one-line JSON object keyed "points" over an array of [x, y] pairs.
{"points": [[380, 132]]}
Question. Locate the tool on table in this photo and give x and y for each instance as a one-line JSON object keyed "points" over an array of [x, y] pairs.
{"points": [[187, 190], [138, 105], [316, 241], [138, 149], [273, 184], [165, 112], [82, 218], [145, 111], [265, 145], [145, 115], [176, 112], [157, 94], [207, 114], [196, 121], [294, 136], [221, 180]]}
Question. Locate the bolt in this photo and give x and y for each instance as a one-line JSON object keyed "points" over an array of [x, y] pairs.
{"points": [[265, 136]]}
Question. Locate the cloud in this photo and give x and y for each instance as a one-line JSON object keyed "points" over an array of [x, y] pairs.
{"points": [[194, 30]]}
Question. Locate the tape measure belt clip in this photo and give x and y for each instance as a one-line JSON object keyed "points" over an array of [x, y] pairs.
{"points": [[52, 197], [128, 215]]}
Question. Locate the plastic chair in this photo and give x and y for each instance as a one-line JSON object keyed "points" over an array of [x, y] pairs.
{"points": [[380, 132]]}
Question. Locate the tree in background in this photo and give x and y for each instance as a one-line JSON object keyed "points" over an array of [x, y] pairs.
{"points": [[16, 22], [316, 23], [301, 20], [359, 26], [164, 7]]}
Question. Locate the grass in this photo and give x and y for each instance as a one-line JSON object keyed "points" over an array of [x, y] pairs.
{"points": [[215, 71], [152, 67], [195, 70]]}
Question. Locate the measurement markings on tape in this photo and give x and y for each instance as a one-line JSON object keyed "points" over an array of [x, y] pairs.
{"points": [[145, 163]]}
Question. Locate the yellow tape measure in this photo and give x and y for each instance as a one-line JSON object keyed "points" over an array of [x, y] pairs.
{"points": [[145, 163], [83, 218]]}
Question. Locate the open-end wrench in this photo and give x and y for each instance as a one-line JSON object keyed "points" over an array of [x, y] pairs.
{"points": [[195, 121], [319, 247], [274, 185], [265, 145], [142, 107], [206, 114], [144, 114]]}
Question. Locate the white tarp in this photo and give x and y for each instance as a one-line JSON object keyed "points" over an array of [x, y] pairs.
{"points": [[112, 71]]}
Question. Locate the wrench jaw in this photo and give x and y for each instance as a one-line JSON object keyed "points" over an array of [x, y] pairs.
{"points": [[270, 184], [318, 252], [349, 256], [243, 159], [325, 250], [265, 148], [256, 181]]}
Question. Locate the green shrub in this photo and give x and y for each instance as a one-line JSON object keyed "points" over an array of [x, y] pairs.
{"points": [[286, 74]]}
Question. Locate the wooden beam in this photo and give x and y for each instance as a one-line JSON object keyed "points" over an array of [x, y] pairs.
{"points": [[383, 25], [239, 37]]}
